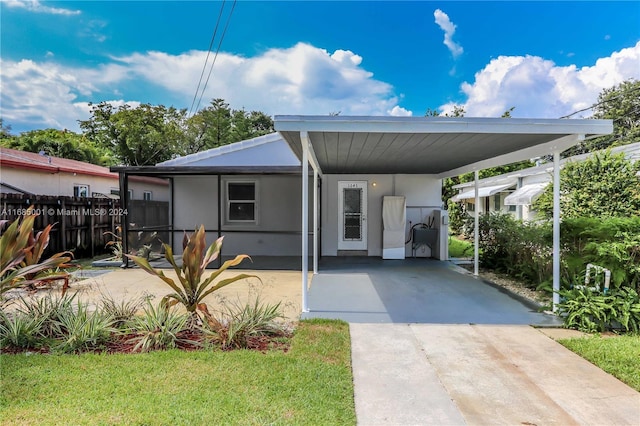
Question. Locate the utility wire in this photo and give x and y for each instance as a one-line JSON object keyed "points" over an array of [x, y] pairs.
{"points": [[602, 102], [224, 32], [204, 67]]}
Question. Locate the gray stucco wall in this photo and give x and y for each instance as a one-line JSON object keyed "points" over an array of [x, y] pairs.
{"points": [[279, 208]]}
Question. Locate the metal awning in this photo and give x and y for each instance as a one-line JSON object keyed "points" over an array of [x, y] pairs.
{"points": [[526, 195], [442, 146], [484, 191]]}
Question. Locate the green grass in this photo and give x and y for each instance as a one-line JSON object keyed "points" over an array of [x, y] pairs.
{"points": [[460, 248], [310, 384], [617, 356]]}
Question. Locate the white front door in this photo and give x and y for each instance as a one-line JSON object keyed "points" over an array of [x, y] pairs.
{"points": [[352, 211]]}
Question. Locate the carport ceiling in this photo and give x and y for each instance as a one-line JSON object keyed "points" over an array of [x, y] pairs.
{"points": [[441, 146]]}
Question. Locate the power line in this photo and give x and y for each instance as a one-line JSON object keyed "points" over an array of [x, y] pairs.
{"points": [[224, 32], [206, 61], [602, 102]]}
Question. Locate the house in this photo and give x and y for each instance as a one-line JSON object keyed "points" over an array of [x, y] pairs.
{"points": [[29, 173], [515, 192], [269, 203]]}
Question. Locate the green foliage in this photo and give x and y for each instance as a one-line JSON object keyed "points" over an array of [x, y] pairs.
{"points": [[603, 185], [520, 249], [621, 104], [192, 287], [48, 310], [123, 311], [460, 248], [158, 328], [586, 310], [592, 311], [83, 330], [218, 125], [237, 322], [60, 143], [19, 330], [613, 243], [139, 136], [20, 253]]}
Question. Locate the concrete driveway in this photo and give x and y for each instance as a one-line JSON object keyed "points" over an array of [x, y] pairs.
{"points": [[426, 374]]}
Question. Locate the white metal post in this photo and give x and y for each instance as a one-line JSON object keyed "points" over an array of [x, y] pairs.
{"points": [[305, 219], [476, 224], [556, 229], [315, 221]]}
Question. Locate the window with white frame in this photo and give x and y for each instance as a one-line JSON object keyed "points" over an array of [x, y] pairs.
{"points": [[496, 202], [471, 207], [242, 201], [147, 195], [80, 190]]}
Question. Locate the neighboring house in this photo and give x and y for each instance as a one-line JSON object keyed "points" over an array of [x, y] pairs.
{"points": [[515, 192], [28, 173]]}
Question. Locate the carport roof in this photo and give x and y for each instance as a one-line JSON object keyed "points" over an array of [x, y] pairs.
{"points": [[442, 146]]}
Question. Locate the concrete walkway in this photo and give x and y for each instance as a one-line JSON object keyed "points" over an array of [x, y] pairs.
{"points": [[430, 374]]}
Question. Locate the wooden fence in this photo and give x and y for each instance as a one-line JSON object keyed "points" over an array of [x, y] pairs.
{"points": [[80, 223]]}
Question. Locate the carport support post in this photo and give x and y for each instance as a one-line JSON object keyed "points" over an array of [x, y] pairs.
{"points": [[315, 222], [556, 229], [305, 218], [476, 226]]}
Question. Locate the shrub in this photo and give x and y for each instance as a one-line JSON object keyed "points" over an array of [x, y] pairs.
{"points": [[20, 331], [238, 322], [49, 310], [20, 253], [121, 312], [192, 288], [83, 330], [592, 311], [158, 328]]}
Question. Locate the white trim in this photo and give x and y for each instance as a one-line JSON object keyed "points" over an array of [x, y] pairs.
{"points": [[360, 244], [556, 229], [484, 191], [227, 201], [305, 224], [476, 224]]}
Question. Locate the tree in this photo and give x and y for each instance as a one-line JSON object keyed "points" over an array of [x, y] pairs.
{"points": [[60, 143], [621, 104], [139, 136], [5, 130], [603, 185], [218, 125]]}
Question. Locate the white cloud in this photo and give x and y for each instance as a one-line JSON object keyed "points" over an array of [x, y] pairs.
{"points": [[302, 79], [449, 28], [37, 7], [538, 88], [398, 111]]}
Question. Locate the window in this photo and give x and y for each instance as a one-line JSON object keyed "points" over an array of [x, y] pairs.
{"points": [[496, 202], [512, 208], [114, 191], [80, 190], [241, 201], [471, 207], [147, 195]]}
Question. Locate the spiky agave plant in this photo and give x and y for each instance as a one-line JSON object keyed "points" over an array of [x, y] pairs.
{"points": [[191, 287]]}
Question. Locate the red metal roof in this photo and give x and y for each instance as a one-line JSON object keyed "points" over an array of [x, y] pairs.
{"points": [[31, 161]]}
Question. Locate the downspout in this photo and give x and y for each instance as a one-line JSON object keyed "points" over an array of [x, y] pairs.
{"points": [[220, 217]]}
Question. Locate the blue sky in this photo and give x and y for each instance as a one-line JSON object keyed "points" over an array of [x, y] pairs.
{"points": [[546, 59]]}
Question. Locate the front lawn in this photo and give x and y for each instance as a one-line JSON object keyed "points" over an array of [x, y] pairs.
{"points": [[309, 384], [617, 356], [459, 248]]}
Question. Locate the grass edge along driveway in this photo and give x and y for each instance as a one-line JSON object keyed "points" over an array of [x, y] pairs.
{"points": [[310, 384]]}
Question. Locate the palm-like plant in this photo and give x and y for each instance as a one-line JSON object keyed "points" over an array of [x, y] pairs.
{"points": [[191, 287], [20, 254]]}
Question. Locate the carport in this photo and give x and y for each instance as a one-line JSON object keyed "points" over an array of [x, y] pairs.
{"points": [[438, 146]]}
